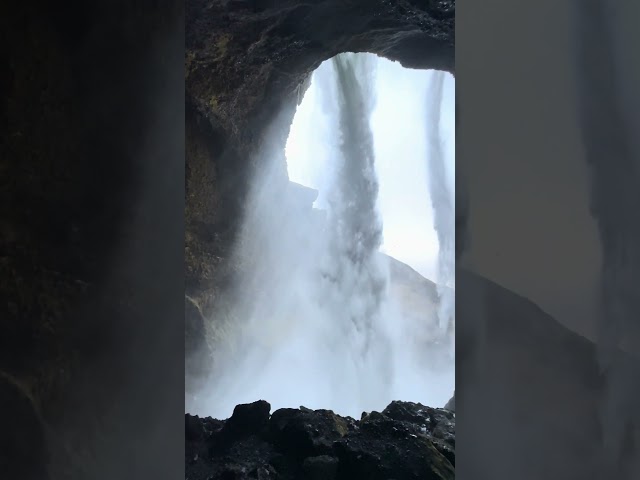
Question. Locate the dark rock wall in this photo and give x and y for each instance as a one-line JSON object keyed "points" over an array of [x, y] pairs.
{"points": [[85, 175], [404, 441], [245, 59]]}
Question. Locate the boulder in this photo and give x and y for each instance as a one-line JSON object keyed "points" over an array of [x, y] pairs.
{"points": [[404, 441]]}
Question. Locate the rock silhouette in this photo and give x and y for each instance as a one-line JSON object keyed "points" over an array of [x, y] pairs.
{"points": [[405, 441]]}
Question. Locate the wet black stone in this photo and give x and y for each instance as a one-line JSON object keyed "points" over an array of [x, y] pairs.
{"points": [[406, 441], [248, 418], [322, 467]]}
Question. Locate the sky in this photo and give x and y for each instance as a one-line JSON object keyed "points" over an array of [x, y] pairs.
{"points": [[398, 124]]}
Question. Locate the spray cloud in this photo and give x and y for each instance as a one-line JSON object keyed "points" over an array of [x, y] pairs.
{"points": [[310, 321]]}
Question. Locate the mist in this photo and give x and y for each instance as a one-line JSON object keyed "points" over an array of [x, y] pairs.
{"points": [[607, 95], [442, 189], [313, 319]]}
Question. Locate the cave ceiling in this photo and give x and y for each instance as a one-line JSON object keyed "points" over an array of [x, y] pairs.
{"points": [[246, 59]]}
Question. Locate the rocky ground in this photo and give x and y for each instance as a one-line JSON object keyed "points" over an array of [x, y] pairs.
{"points": [[404, 441]]}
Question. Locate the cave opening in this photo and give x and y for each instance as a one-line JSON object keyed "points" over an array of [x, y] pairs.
{"points": [[346, 300]]}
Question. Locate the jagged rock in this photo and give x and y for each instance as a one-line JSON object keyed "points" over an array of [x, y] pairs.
{"points": [[304, 196], [405, 441], [322, 467], [451, 404], [437, 423], [247, 419], [401, 447], [244, 59], [23, 451], [303, 433]]}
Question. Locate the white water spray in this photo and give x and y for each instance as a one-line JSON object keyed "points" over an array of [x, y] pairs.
{"points": [[312, 321], [442, 191]]}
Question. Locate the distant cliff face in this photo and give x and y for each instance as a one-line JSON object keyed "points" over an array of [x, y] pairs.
{"points": [[248, 63], [246, 59], [416, 295]]}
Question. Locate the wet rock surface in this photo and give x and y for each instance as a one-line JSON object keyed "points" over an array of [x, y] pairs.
{"points": [[244, 58], [404, 441], [90, 236], [23, 453]]}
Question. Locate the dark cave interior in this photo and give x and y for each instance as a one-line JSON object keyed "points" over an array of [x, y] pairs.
{"points": [[78, 158]]}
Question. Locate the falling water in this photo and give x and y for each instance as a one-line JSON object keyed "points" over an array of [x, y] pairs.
{"points": [[607, 94], [354, 269], [443, 202], [310, 321]]}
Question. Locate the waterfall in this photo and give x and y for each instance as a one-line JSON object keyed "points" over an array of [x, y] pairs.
{"points": [[442, 193], [607, 94], [355, 226], [311, 321]]}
